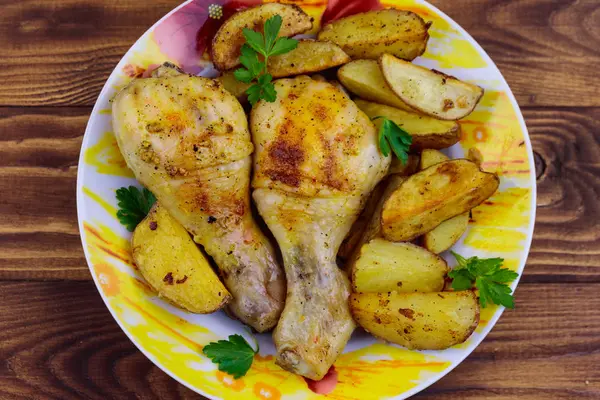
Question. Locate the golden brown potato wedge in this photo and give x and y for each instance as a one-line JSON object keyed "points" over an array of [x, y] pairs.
{"points": [[229, 38], [373, 33], [233, 86], [434, 195], [422, 321], [446, 234], [356, 231], [431, 157], [384, 266], [426, 132], [364, 79], [172, 264], [429, 91], [474, 154], [443, 236], [310, 56], [411, 166]]}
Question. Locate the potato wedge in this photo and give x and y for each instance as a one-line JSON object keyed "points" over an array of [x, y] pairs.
{"points": [[434, 195], [310, 56], [421, 321], [233, 86], [173, 266], [384, 266], [443, 236], [446, 234], [431, 157], [429, 91], [356, 231], [474, 154], [373, 33], [229, 38], [426, 132], [364, 79], [411, 166]]}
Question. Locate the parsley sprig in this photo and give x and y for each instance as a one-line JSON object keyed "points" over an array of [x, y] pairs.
{"points": [[394, 138], [234, 356], [134, 204], [256, 70], [488, 277]]}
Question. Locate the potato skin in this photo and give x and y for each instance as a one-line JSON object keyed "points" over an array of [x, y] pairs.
{"points": [[310, 56], [428, 91], [430, 197], [173, 266], [373, 33], [229, 38], [420, 321], [427, 132], [383, 266], [364, 79], [443, 236]]}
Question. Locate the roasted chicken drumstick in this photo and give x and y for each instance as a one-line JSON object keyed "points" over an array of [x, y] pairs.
{"points": [[315, 163], [187, 140]]}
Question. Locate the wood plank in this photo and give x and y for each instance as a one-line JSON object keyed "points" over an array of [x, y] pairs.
{"points": [[63, 343], [61, 52], [39, 150], [566, 245], [38, 222]]}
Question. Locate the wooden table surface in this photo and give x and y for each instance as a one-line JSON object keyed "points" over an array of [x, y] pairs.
{"points": [[58, 340]]}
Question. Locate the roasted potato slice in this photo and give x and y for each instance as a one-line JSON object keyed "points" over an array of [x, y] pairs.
{"points": [[411, 166], [229, 38], [443, 236], [474, 154], [364, 79], [383, 266], [173, 266], [426, 132], [421, 321], [429, 91], [233, 86], [434, 195], [310, 56], [431, 157], [373, 33]]}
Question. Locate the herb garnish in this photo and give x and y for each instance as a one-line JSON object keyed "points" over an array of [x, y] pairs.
{"points": [[134, 205], [391, 136], [234, 356], [255, 70]]}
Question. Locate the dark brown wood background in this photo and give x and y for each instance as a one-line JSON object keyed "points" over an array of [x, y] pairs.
{"points": [[57, 339]]}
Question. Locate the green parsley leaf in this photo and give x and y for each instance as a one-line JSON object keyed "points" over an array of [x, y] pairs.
{"points": [[254, 93], [283, 45], [394, 138], [255, 69], [134, 205], [272, 27], [255, 40], [461, 279], [488, 276], [234, 356], [243, 75]]}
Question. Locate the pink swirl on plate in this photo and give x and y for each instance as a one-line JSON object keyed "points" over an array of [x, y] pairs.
{"points": [[185, 35]]}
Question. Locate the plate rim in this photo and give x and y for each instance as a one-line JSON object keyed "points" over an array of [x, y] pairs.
{"points": [[426, 382]]}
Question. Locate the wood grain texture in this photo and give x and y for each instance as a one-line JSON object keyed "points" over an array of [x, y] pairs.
{"points": [[60, 52], [39, 149], [566, 245], [63, 344]]}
